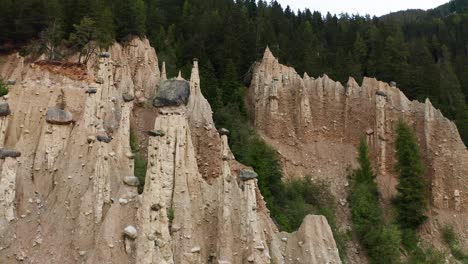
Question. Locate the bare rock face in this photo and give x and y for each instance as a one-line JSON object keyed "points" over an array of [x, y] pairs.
{"points": [[303, 245], [172, 93], [199, 110], [67, 199], [64, 172], [58, 116], [319, 123], [135, 69]]}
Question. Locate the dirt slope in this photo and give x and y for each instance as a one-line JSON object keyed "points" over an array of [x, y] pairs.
{"points": [[319, 122]]}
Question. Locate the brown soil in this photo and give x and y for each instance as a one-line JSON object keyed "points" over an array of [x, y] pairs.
{"points": [[143, 120], [208, 147], [74, 71]]}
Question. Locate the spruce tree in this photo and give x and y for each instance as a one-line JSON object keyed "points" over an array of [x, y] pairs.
{"points": [[380, 240], [411, 199]]}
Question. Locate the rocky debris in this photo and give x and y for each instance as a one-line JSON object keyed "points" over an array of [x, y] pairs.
{"points": [[246, 174], [369, 132], [9, 153], [131, 181], [104, 55], [223, 131], [172, 93], [156, 207], [130, 155], [381, 93], [103, 138], [111, 117], [175, 228], [90, 139], [155, 133], [91, 90], [195, 249], [128, 97], [11, 82], [131, 232], [4, 109], [57, 116]]}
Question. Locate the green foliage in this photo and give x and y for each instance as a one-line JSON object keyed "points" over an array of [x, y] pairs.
{"points": [[381, 241], [450, 237], [49, 39], [426, 255], [83, 38], [303, 197], [170, 215], [3, 88], [411, 199], [139, 162]]}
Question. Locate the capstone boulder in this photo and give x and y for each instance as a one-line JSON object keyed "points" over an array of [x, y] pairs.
{"points": [[4, 153], [4, 109], [58, 116], [246, 175], [172, 93]]}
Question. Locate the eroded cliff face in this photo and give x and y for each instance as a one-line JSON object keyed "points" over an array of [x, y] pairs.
{"points": [[319, 122], [71, 197]]}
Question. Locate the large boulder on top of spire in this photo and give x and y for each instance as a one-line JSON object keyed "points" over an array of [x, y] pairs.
{"points": [[172, 93]]}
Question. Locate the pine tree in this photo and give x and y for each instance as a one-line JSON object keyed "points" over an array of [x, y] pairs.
{"points": [[140, 18], [105, 29], [84, 39], [49, 39]]}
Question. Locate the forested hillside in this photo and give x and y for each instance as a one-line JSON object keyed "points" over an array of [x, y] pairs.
{"points": [[426, 53]]}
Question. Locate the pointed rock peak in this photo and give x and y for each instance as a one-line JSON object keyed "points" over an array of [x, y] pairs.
{"points": [[267, 55], [352, 82], [163, 71], [195, 78], [369, 82], [325, 76], [428, 102], [179, 76], [306, 76]]}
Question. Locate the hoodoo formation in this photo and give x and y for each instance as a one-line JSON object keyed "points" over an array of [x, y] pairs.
{"points": [[319, 122], [68, 192], [210, 132]]}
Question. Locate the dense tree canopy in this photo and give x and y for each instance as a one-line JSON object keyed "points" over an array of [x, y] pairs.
{"points": [[425, 52], [381, 240]]}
